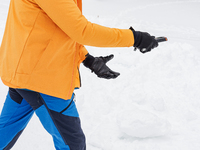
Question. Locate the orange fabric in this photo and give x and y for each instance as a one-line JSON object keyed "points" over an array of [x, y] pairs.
{"points": [[42, 46]]}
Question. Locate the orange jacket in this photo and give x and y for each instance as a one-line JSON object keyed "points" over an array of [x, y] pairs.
{"points": [[42, 46]]}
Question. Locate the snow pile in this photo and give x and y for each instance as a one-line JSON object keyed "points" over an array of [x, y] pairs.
{"points": [[142, 124]]}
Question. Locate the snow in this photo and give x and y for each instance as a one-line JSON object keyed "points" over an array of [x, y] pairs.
{"points": [[155, 103], [142, 124]]}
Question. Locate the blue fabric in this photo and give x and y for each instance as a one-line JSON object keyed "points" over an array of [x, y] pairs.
{"points": [[49, 125], [70, 130], [31, 97], [58, 104], [13, 119], [64, 127]]}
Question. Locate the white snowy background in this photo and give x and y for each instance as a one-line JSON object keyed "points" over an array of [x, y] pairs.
{"points": [[155, 103]]}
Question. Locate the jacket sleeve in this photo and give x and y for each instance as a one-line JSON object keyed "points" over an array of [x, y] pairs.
{"points": [[67, 15]]}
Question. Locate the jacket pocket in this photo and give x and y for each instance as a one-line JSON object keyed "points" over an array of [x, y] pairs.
{"points": [[71, 101], [37, 41]]}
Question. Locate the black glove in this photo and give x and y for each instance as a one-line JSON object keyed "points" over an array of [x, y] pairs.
{"points": [[99, 67], [144, 41]]}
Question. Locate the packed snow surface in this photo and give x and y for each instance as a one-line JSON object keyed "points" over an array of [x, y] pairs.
{"points": [[155, 103]]}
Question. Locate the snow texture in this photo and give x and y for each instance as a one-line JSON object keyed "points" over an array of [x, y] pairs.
{"points": [[155, 103]]}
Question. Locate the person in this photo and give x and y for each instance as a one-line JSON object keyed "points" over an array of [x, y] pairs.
{"points": [[41, 51]]}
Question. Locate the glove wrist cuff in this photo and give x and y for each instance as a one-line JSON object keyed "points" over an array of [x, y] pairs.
{"points": [[137, 37], [88, 61]]}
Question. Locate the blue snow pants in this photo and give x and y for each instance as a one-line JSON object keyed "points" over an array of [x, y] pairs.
{"points": [[59, 117]]}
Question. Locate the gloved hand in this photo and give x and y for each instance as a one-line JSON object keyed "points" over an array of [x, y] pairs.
{"points": [[99, 67], [144, 41]]}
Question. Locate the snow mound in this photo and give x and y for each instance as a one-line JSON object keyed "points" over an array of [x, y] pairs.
{"points": [[142, 124]]}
